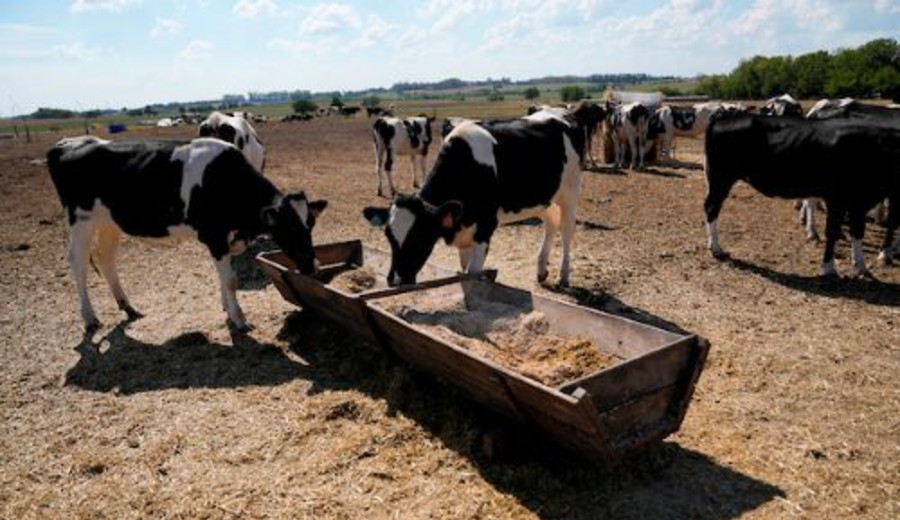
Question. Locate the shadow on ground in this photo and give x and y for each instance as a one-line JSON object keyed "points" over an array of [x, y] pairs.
{"points": [[119, 363], [869, 290], [664, 481]]}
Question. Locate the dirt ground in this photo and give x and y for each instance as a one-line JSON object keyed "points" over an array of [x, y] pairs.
{"points": [[797, 414]]}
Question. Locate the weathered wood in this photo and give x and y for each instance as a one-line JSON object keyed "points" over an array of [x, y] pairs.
{"points": [[602, 415]]}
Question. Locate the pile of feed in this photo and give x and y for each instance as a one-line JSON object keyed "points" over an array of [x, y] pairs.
{"points": [[356, 280], [509, 335]]}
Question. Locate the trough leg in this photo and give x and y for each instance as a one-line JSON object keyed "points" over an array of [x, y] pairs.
{"points": [[108, 237], [79, 256]]}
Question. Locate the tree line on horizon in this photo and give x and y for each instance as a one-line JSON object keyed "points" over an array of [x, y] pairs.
{"points": [[869, 71]]}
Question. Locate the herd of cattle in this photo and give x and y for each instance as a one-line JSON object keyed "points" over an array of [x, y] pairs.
{"points": [[487, 173]]}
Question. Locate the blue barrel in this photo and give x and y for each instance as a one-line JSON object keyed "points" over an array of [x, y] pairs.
{"points": [[115, 128]]}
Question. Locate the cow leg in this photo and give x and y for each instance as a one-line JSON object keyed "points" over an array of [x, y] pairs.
{"points": [[414, 161], [379, 168], [833, 217], [568, 233], [108, 237], [477, 258], [890, 246], [465, 256], [808, 217], [551, 226], [715, 196], [857, 232], [228, 283], [632, 149], [82, 233]]}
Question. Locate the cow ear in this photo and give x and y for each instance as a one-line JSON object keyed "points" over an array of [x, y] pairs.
{"points": [[317, 207], [269, 216], [449, 213], [205, 131], [376, 216]]}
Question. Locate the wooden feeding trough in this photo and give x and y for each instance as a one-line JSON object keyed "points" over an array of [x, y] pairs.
{"points": [[339, 304], [638, 392]]}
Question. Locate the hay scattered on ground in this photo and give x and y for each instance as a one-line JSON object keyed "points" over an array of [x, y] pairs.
{"points": [[356, 280]]}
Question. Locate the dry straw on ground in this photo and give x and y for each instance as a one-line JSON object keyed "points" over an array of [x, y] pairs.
{"points": [[171, 417]]}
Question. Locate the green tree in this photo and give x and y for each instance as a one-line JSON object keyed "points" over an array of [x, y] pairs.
{"points": [[304, 105], [532, 93], [336, 100], [572, 93], [371, 101]]}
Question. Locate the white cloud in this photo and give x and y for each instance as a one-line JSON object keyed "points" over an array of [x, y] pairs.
{"points": [[330, 18], [887, 6], [77, 50], [293, 46], [80, 6], [376, 30], [164, 27], [252, 8], [196, 50]]}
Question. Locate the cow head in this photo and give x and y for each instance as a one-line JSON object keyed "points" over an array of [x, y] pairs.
{"points": [[290, 223], [413, 228]]}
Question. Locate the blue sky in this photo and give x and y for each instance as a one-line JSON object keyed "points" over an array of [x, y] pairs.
{"points": [[85, 54]]}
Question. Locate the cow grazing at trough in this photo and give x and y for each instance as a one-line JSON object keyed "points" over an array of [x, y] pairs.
{"points": [[627, 124], [203, 188], [797, 158], [782, 106], [488, 174], [394, 136], [235, 129]]}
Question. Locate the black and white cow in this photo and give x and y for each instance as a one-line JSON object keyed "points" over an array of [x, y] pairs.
{"points": [[627, 124], [394, 136], [783, 105], [487, 174], [235, 129], [847, 108], [203, 188], [798, 158]]}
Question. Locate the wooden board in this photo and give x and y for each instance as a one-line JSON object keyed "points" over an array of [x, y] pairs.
{"points": [[602, 415]]}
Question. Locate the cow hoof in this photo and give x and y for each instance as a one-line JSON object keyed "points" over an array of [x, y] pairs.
{"points": [[239, 328], [885, 258], [813, 237], [720, 255], [564, 284], [542, 276], [132, 313], [92, 326]]}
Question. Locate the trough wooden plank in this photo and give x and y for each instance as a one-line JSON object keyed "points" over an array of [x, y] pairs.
{"points": [[632, 378]]}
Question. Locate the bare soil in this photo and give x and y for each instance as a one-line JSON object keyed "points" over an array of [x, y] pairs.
{"points": [[170, 416]]}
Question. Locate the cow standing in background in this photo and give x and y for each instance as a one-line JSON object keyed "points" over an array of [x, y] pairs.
{"points": [[782, 106], [797, 158], [235, 129], [627, 124], [394, 136], [204, 188], [487, 174]]}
